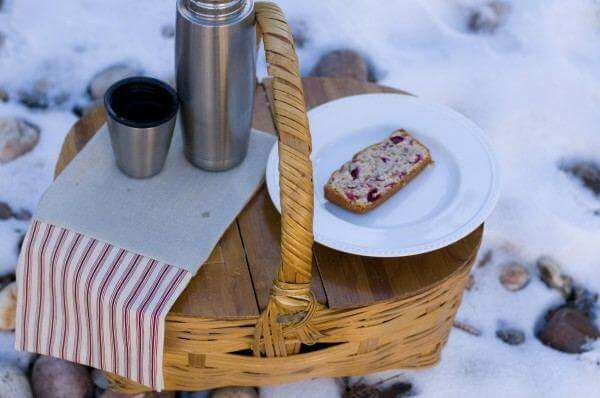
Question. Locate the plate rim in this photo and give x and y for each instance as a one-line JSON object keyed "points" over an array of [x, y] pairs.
{"points": [[478, 218]]}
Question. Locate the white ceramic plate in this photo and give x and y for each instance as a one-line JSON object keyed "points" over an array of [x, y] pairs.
{"points": [[443, 204]]}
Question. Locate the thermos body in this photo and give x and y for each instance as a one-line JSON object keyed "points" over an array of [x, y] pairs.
{"points": [[215, 61]]}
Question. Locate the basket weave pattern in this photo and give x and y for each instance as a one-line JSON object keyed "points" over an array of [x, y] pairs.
{"points": [[295, 337]]}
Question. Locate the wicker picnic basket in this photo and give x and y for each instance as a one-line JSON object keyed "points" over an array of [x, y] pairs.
{"points": [[296, 337]]}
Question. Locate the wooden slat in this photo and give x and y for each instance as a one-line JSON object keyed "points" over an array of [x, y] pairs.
{"points": [[222, 288]]}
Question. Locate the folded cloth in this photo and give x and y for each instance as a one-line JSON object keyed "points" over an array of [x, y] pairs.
{"points": [[106, 256]]}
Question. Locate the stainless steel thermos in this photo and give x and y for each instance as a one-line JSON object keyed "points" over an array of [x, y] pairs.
{"points": [[215, 65]]}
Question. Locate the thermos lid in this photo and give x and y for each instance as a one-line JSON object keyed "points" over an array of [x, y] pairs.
{"points": [[218, 9]]}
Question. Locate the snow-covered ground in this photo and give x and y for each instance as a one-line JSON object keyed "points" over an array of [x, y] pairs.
{"points": [[533, 84]]}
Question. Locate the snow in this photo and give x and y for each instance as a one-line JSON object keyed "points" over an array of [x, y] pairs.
{"points": [[533, 84]]}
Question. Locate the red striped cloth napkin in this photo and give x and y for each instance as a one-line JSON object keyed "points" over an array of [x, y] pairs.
{"points": [[106, 256], [93, 303]]}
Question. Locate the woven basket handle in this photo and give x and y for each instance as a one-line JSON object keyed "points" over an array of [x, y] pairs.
{"points": [[291, 303]]}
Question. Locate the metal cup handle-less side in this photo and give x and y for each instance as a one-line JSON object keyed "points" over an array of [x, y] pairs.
{"points": [[215, 60]]}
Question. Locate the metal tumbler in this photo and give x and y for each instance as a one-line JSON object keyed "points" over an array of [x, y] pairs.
{"points": [[141, 114], [215, 57]]}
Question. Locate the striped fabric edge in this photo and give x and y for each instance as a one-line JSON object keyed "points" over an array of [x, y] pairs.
{"points": [[90, 302]]}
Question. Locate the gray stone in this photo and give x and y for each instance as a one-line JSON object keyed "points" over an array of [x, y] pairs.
{"points": [[299, 32], [13, 382], [55, 378], [511, 336], [587, 171], [489, 17], [22, 215], [551, 274], [105, 78], [114, 394], [99, 379], [42, 94], [4, 97], [584, 300], [168, 31], [235, 392], [514, 277], [344, 64], [17, 137], [5, 211], [568, 330]]}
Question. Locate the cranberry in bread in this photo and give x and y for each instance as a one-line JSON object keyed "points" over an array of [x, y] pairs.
{"points": [[377, 172]]}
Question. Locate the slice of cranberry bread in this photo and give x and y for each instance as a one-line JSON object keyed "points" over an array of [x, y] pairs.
{"points": [[377, 172]]}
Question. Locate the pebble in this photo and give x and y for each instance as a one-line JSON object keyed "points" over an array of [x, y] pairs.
{"points": [[167, 31], [489, 17], [345, 64], [299, 29], [511, 336], [99, 379], [551, 274], [17, 137], [102, 80], [514, 277], [114, 394], [195, 394], [470, 282], [4, 97], [6, 280], [42, 94], [588, 172], [81, 110], [8, 306], [13, 382], [583, 300], [22, 215], [235, 392], [485, 259], [5, 211], [54, 378], [568, 330], [396, 390]]}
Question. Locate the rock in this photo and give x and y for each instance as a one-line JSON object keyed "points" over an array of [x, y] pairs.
{"points": [[511, 336], [552, 276], [299, 29], [20, 243], [345, 64], [22, 215], [195, 394], [8, 306], [514, 277], [10, 356], [81, 110], [17, 137], [167, 31], [42, 95], [568, 330], [235, 392], [114, 394], [4, 97], [470, 282], [6, 280], [588, 172], [99, 379], [396, 390], [583, 300], [13, 382], [5, 211], [102, 80], [485, 259], [53, 378], [489, 17]]}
